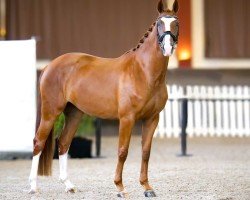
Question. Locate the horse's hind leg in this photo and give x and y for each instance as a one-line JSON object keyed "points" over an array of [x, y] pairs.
{"points": [[43, 150], [149, 127], [43, 132], [72, 118]]}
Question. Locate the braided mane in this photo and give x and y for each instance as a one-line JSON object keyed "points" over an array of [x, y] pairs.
{"points": [[145, 36]]}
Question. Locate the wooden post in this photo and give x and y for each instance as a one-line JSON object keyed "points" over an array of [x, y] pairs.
{"points": [[98, 136]]}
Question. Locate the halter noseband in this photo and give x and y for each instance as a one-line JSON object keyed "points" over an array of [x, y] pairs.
{"points": [[161, 37]]}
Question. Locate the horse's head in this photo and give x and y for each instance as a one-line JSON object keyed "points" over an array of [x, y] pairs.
{"points": [[167, 27]]}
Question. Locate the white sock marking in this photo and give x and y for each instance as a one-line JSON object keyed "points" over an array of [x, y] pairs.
{"points": [[63, 159], [63, 166], [33, 172]]}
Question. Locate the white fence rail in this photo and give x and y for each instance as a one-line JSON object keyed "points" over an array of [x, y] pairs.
{"points": [[212, 111]]}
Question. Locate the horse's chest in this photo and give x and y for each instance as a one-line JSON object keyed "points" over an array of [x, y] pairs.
{"points": [[156, 102]]}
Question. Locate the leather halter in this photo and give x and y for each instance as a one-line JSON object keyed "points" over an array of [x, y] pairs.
{"points": [[161, 37]]}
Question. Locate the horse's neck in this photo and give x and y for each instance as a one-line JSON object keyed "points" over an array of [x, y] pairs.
{"points": [[151, 59]]}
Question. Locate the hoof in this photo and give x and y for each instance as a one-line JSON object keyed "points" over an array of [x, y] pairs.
{"points": [[33, 191], [149, 193], [122, 194], [71, 190]]}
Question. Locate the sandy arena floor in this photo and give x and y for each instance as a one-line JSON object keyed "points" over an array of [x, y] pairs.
{"points": [[219, 169]]}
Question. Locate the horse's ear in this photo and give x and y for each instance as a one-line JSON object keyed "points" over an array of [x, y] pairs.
{"points": [[160, 6], [176, 6]]}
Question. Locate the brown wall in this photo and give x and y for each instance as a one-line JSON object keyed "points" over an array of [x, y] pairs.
{"points": [[227, 25], [105, 28]]}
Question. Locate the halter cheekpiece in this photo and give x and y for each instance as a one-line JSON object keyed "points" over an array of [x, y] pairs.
{"points": [[161, 37]]}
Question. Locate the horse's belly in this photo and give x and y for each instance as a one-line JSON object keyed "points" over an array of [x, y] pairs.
{"points": [[99, 110], [98, 103]]}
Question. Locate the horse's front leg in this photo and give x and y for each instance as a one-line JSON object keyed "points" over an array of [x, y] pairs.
{"points": [[148, 129], [125, 128]]}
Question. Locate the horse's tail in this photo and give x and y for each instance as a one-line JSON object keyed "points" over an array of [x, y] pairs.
{"points": [[46, 158], [38, 102]]}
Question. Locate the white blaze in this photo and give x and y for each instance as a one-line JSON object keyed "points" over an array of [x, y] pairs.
{"points": [[167, 39]]}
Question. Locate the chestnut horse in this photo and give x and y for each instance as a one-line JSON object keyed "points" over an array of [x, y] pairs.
{"points": [[129, 88]]}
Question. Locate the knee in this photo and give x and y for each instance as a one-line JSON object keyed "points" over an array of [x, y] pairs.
{"points": [[122, 153], [145, 155]]}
